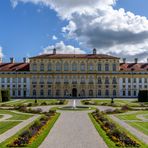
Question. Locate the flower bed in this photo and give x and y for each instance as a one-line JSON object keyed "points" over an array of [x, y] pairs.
{"points": [[29, 135], [120, 138]]}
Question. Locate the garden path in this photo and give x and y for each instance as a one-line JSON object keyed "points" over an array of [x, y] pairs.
{"points": [[5, 117], [141, 136], [18, 127], [73, 129]]}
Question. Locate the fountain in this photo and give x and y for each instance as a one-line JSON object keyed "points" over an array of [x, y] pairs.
{"points": [[74, 104], [74, 107]]}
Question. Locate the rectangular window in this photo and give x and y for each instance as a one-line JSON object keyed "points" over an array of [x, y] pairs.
{"points": [[99, 67], [106, 67]]}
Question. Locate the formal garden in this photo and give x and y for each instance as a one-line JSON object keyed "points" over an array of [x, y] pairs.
{"points": [[28, 122]]}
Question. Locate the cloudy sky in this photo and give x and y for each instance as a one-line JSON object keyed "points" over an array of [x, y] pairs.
{"points": [[32, 27]]}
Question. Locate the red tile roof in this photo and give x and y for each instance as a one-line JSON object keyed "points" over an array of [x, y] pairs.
{"points": [[133, 66], [60, 56], [14, 67], [25, 67]]}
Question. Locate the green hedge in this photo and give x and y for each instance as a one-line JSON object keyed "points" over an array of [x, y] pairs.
{"points": [[0, 96], [5, 95], [143, 96]]}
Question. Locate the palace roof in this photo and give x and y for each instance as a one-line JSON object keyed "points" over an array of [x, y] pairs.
{"points": [[25, 67], [14, 67], [133, 66], [60, 56]]}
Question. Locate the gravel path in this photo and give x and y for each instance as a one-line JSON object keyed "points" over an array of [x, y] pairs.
{"points": [[5, 117], [15, 129], [73, 130], [133, 130]]}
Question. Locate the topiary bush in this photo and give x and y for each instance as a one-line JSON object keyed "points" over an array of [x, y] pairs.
{"points": [[5, 94], [143, 96]]}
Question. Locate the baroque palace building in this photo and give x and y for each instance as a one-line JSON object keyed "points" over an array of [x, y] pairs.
{"points": [[73, 75]]}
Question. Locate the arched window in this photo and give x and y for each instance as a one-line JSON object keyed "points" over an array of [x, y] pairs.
{"points": [[107, 92], [34, 79], [91, 80], [57, 92], [114, 80], [82, 93], [106, 80], [82, 67], [90, 93], [58, 66], [42, 92], [42, 67], [114, 93], [74, 66], [91, 67], [106, 67], [49, 67], [114, 67], [34, 93], [99, 92], [66, 66], [65, 80], [82, 80], [99, 80], [49, 92], [41, 80], [34, 67], [74, 80], [58, 79], [49, 79]]}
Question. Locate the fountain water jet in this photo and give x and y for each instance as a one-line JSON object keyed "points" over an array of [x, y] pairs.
{"points": [[74, 104]]}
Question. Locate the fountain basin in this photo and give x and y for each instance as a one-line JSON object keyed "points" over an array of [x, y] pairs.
{"points": [[79, 108]]}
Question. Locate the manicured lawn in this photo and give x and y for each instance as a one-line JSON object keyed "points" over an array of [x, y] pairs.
{"points": [[4, 126], [137, 123], [38, 140], [16, 116], [27, 101], [118, 102], [1, 116]]}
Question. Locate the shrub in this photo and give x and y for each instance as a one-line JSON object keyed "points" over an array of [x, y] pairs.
{"points": [[143, 96], [0, 96], [5, 94], [125, 108], [30, 104], [44, 103]]}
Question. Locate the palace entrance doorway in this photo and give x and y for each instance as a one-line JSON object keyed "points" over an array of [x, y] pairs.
{"points": [[74, 92]]}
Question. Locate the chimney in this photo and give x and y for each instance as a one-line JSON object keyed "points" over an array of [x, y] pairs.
{"points": [[25, 60], [54, 51], [94, 51], [12, 60], [124, 60], [136, 60]]}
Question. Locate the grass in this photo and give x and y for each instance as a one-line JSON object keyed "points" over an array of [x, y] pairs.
{"points": [[38, 140], [119, 102], [137, 123], [16, 116], [27, 101], [4, 126], [1, 116]]}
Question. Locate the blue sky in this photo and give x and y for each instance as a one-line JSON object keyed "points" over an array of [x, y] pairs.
{"points": [[28, 28]]}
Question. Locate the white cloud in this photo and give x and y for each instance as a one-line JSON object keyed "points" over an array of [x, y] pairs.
{"points": [[54, 37], [96, 24], [1, 53], [62, 48]]}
